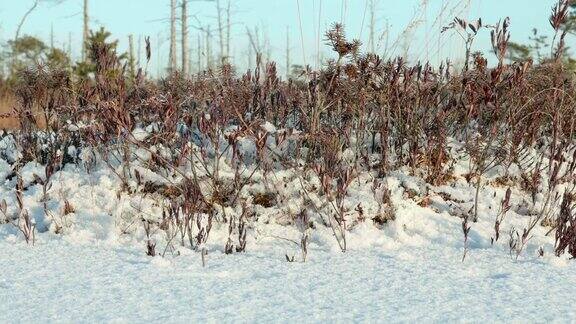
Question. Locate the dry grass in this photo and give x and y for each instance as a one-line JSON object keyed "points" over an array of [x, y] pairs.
{"points": [[6, 104]]}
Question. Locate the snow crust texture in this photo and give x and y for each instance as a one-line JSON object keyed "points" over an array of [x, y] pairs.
{"points": [[62, 282]]}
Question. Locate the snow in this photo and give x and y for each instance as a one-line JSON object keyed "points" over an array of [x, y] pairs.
{"points": [[89, 264], [66, 282], [4, 169], [140, 134]]}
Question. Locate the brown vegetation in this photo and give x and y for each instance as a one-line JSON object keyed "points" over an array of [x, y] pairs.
{"points": [[389, 113]]}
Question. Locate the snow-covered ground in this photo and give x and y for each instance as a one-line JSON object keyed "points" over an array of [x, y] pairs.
{"points": [[60, 281], [89, 263]]}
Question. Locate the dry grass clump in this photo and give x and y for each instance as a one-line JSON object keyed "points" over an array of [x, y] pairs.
{"points": [[7, 121]]}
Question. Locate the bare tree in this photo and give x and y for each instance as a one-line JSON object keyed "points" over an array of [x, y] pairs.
{"points": [[52, 36], [228, 27], [224, 27], [259, 43], [131, 57], [85, 32], [220, 30], [159, 59], [185, 37], [139, 50], [172, 57], [190, 63], [372, 25], [301, 32], [254, 38], [250, 55], [318, 28], [23, 20], [287, 52], [208, 47], [69, 48], [199, 52], [18, 29]]}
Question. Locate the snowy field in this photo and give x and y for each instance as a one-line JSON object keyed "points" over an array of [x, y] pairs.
{"points": [[63, 282], [88, 262]]}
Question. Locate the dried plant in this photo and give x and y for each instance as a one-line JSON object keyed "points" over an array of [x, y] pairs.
{"points": [[359, 113], [566, 227], [504, 208]]}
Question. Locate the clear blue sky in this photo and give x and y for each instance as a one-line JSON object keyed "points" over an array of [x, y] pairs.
{"points": [[273, 17]]}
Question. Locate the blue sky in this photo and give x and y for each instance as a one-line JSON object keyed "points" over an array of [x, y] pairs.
{"points": [[273, 18]]}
